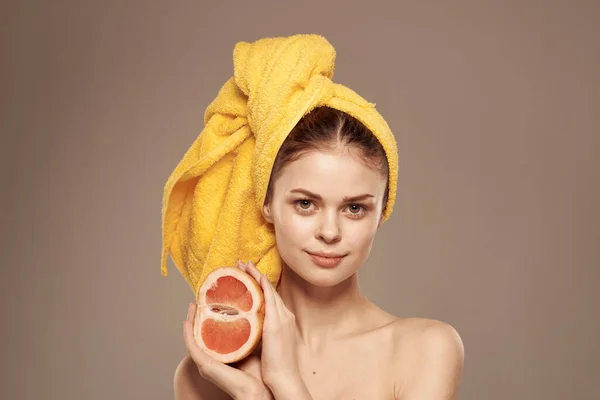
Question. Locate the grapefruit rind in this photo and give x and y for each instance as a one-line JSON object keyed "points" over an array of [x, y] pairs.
{"points": [[231, 318]]}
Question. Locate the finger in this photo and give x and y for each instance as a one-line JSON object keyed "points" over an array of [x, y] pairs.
{"points": [[190, 313], [253, 271], [281, 308], [271, 310], [190, 342], [267, 287], [240, 265]]}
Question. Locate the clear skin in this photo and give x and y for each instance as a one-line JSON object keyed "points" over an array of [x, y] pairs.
{"points": [[322, 337]]}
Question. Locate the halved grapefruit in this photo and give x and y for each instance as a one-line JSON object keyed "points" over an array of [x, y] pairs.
{"points": [[229, 314]]}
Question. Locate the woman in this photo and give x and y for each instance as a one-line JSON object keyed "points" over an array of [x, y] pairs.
{"points": [[322, 338]]}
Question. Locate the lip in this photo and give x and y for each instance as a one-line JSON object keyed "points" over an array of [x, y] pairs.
{"points": [[326, 260]]}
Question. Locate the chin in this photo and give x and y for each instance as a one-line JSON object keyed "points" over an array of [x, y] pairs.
{"points": [[320, 280]]}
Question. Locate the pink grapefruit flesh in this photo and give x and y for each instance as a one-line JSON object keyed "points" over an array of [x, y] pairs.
{"points": [[230, 291]]}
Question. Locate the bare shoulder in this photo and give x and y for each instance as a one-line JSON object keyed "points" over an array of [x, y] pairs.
{"points": [[427, 334], [429, 356], [189, 385]]}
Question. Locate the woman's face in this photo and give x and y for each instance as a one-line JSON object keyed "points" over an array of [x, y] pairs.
{"points": [[326, 203]]}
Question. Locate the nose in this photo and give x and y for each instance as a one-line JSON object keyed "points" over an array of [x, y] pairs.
{"points": [[329, 229]]}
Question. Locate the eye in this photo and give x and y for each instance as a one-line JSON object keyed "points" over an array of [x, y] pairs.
{"points": [[304, 204], [355, 208]]}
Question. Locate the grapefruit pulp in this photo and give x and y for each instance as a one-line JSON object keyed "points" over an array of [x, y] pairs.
{"points": [[229, 314]]}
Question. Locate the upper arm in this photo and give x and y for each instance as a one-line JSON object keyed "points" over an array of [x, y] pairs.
{"points": [[437, 364], [189, 385]]}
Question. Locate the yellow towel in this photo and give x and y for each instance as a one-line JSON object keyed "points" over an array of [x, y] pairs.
{"points": [[212, 202]]}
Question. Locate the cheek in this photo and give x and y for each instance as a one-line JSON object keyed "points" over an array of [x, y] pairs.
{"points": [[291, 228], [360, 236]]}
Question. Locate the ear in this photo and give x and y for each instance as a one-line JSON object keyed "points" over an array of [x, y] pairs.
{"points": [[267, 213]]}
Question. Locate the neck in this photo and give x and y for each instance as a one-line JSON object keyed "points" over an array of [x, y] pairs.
{"points": [[323, 313]]}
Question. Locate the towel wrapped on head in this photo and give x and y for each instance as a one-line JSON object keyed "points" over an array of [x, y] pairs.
{"points": [[212, 202]]}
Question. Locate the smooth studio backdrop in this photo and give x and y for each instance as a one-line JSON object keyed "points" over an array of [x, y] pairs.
{"points": [[496, 230]]}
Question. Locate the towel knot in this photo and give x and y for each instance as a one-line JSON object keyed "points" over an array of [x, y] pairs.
{"points": [[270, 72]]}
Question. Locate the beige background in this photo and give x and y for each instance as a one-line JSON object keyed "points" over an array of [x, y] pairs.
{"points": [[496, 230]]}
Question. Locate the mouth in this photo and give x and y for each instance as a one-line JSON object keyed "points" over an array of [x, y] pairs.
{"points": [[326, 260]]}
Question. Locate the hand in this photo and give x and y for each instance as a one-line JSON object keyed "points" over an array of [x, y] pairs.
{"points": [[245, 382], [279, 360]]}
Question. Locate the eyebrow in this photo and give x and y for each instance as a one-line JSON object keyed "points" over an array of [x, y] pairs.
{"points": [[345, 198]]}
